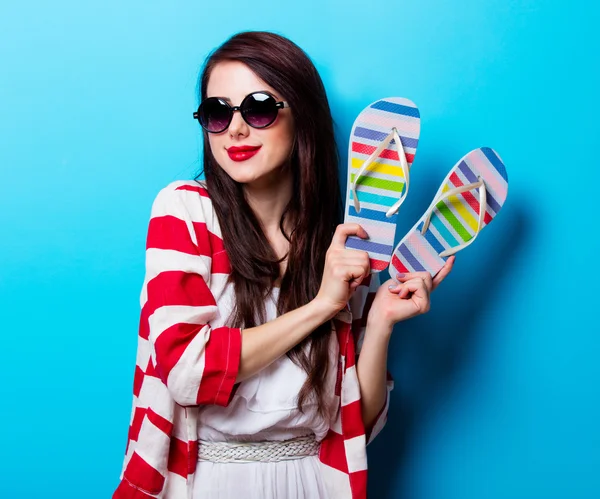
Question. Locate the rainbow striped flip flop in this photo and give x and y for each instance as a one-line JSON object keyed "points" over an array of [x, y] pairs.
{"points": [[378, 173], [454, 219]]}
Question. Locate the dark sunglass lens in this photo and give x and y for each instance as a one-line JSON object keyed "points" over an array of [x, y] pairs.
{"points": [[259, 110], [214, 115]]}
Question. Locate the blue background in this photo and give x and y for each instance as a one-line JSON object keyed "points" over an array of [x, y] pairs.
{"points": [[496, 388]]}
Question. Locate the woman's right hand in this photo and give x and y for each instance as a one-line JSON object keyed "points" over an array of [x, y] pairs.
{"points": [[344, 268]]}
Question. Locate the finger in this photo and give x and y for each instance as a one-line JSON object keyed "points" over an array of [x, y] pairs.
{"points": [[406, 288], [356, 283], [343, 231], [399, 277], [445, 270], [415, 286], [425, 276], [411, 275], [391, 285], [351, 273], [418, 294], [427, 279], [353, 256], [404, 292], [365, 265]]}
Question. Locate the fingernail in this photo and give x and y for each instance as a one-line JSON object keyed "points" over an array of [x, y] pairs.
{"points": [[400, 276], [391, 287]]}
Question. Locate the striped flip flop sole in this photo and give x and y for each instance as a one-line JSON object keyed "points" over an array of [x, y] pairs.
{"points": [[383, 182], [454, 220]]}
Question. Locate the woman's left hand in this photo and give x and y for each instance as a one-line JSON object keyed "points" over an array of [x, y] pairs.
{"points": [[397, 302]]}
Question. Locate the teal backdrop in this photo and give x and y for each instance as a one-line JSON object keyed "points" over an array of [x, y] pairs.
{"points": [[496, 387]]}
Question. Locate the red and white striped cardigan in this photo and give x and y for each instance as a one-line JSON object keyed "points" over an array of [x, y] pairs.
{"points": [[187, 357]]}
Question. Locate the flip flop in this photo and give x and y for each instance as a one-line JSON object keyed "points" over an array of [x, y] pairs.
{"points": [[378, 173], [454, 219]]}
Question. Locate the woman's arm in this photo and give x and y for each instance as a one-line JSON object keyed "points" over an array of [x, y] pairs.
{"points": [[264, 344], [391, 305], [343, 272], [200, 364], [371, 369], [196, 362]]}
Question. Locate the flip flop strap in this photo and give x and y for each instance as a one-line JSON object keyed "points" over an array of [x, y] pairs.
{"points": [[403, 163], [480, 184]]}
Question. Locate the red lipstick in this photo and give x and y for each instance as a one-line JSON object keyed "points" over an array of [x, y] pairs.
{"points": [[242, 153]]}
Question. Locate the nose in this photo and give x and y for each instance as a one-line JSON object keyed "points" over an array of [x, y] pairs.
{"points": [[238, 127]]}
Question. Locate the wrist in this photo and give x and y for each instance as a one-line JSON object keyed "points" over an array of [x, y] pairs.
{"points": [[323, 309], [379, 327]]}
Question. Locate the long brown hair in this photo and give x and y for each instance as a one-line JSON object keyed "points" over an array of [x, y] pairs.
{"points": [[313, 211]]}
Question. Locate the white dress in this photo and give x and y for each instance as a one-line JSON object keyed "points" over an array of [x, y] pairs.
{"points": [[264, 408]]}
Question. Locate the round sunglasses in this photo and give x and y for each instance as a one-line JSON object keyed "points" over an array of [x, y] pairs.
{"points": [[259, 110]]}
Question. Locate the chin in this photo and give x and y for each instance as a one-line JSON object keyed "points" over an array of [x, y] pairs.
{"points": [[244, 177], [245, 172]]}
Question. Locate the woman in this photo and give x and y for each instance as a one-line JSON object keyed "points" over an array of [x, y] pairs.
{"points": [[248, 381]]}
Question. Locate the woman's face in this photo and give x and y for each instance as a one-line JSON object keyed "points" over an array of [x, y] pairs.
{"points": [[232, 81]]}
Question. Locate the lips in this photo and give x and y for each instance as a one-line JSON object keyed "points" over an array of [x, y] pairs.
{"points": [[242, 153]]}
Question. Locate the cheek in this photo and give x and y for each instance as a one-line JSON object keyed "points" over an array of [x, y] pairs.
{"points": [[212, 142], [216, 145], [283, 141]]}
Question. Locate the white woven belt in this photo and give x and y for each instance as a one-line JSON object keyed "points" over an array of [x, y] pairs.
{"points": [[250, 452]]}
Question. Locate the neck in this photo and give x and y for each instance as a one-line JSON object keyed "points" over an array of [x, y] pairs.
{"points": [[268, 200]]}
